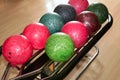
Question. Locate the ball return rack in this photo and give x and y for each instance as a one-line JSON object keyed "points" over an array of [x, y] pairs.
{"points": [[40, 67]]}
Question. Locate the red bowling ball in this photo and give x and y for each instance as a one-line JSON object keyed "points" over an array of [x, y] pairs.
{"points": [[90, 20], [79, 5], [77, 31], [37, 33], [17, 49]]}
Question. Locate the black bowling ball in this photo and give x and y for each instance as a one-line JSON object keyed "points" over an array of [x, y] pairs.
{"points": [[66, 11]]}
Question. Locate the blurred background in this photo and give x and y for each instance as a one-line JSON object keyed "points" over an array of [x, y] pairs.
{"points": [[16, 14]]}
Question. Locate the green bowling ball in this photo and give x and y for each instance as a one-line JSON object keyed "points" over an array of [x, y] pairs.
{"points": [[59, 47], [53, 21], [100, 10]]}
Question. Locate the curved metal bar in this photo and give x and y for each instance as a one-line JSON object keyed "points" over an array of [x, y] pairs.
{"points": [[90, 61], [6, 72]]}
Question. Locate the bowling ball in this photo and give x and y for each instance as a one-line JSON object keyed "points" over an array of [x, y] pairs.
{"points": [[17, 49], [53, 21], [100, 10], [90, 20], [66, 11], [77, 31], [59, 47], [37, 33], [79, 5]]}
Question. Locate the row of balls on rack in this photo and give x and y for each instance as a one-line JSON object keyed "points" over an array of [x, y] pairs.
{"points": [[68, 27]]}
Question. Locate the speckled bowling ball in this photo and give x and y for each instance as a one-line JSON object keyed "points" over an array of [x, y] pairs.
{"points": [[59, 47], [66, 11], [17, 49], [77, 31], [90, 20], [37, 33], [53, 21], [79, 5], [100, 10]]}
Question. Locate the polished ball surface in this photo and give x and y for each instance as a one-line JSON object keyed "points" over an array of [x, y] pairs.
{"points": [[66, 11], [79, 5], [17, 49], [59, 47], [53, 21], [77, 31], [100, 10], [90, 20], [37, 33]]}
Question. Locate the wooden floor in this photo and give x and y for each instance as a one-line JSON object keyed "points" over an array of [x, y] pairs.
{"points": [[16, 14]]}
